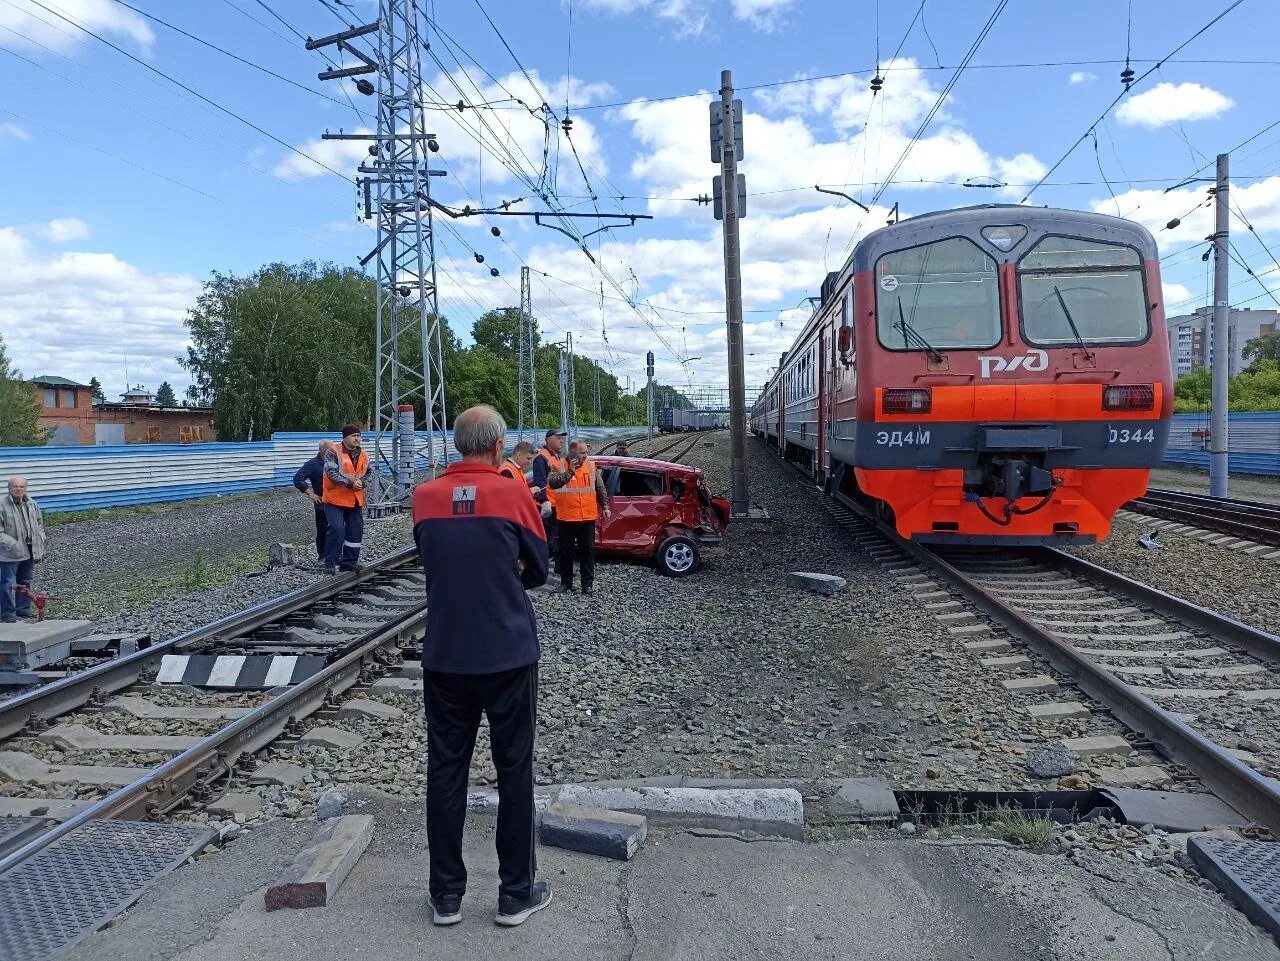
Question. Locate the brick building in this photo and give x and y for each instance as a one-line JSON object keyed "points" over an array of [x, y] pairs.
{"points": [[68, 411]]}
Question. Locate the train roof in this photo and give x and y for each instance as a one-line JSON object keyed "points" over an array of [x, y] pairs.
{"points": [[969, 222]]}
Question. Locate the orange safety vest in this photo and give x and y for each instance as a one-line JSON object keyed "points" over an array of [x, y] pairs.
{"points": [[340, 495], [555, 464], [576, 501], [516, 474]]}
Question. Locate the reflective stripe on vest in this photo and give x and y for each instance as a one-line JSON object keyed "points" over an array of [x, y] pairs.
{"points": [[340, 495], [576, 501], [555, 465]]}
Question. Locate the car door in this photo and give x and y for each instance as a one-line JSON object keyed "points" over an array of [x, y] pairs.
{"points": [[640, 504]]}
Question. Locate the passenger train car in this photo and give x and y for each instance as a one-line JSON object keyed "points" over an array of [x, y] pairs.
{"points": [[989, 375]]}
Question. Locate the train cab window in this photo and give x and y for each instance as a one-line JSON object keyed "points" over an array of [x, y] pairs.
{"points": [[1082, 291], [941, 295]]}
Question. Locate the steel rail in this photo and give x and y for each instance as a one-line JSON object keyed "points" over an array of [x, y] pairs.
{"points": [[1229, 778], [1249, 520], [164, 787], [69, 693]]}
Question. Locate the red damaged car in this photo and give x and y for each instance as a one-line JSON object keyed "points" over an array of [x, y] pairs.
{"points": [[660, 510]]}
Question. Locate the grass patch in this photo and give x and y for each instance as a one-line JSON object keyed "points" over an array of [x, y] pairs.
{"points": [[112, 594], [1029, 829]]}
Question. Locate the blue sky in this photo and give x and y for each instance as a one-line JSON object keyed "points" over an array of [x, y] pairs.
{"points": [[123, 192]]}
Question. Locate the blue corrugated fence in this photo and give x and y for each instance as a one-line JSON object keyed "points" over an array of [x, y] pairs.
{"points": [[1254, 442], [80, 478]]}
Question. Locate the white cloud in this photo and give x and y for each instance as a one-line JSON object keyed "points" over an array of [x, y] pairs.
{"points": [[340, 155], [1167, 103], [1019, 171], [690, 17], [80, 315], [1175, 294], [13, 131], [60, 230], [762, 14], [1081, 76], [50, 30]]}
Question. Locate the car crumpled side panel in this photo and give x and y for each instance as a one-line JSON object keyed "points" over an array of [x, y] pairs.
{"points": [[635, 524]]}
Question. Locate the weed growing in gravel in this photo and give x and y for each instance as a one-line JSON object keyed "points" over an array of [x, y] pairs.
{"points": [[197, 575], [1030, 829]]}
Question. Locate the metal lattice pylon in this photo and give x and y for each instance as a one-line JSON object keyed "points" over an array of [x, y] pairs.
{"points": [[410, 361], [526, 355]]}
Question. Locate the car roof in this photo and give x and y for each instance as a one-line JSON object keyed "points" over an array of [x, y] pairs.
{"points": [[646, 463]]}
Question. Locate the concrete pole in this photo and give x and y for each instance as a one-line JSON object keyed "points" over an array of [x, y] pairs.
{"points": [[739, 497], [1218, 440]]}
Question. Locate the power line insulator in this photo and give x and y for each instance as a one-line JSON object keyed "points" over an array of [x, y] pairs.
{"points": [[876, 83], [461, 106], [479, 258], [1126, 77], [493, 271], [495, 231], [365, 87], [404, 292], [567, 125], [1173, 223], [373, 150], [433, 145]]}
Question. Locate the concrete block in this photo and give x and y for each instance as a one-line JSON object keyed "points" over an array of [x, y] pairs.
{"points": [[1232, 670], [1098, 744], [587, 830], [1057, 709], [1006, 661], [772, 812], [77, 737], [952, 617], [1268, 694], [1174, 810], [1039, 682], [319, 869], [969, 630], [859, 799], [1113, 653], [406, 685], [282, 555], [18, 766], [237, 802], [30, 637], [141, 707], [332, 737], [278, 772], [826, 584], [990, 646], [1193, 692], [1144, 776], [363, 707], [55, 808]]}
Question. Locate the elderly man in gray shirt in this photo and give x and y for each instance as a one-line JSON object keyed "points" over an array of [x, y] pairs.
{"points": [[22, 544]]}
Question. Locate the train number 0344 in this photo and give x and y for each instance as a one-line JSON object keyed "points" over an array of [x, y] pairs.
{"points": [[1126, 436]]}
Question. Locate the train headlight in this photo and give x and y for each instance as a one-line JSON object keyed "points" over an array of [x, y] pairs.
{"points": [[907, 400], [1129, 397]]}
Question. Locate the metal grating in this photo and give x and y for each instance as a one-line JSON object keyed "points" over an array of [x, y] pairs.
{"points": [[1246, 871], [61, 895]]}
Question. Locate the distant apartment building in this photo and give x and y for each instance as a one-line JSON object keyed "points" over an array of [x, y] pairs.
{"points": [[1190, 337], [68, 413]]}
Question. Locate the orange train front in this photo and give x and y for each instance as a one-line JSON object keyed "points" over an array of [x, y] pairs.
{"points": [[990, 375]]}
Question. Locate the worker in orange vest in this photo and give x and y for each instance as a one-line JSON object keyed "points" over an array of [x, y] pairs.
{"points": [[548, 460], [346, 473], [517, 465], [580, 499]]}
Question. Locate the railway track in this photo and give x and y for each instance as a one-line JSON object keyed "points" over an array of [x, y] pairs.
{"points": [[1195, 686], [685, 448], [329, 637], [1248, 520]]}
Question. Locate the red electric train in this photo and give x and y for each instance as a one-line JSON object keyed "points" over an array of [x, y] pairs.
{"points": [[988, 375]]}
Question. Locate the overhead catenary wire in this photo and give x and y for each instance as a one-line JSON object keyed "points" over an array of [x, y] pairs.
{"points": [[1141, 77]]}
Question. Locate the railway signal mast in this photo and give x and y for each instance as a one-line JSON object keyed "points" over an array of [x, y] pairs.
{"points": [[1220, 371], [526, 354], [395, 183]]}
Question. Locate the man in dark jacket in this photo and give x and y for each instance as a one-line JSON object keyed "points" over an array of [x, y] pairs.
{"points": [[481, 543], [310, 480]]}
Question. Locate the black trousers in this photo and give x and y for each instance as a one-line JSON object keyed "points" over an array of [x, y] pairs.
{"points": [[552, 528], [454, 703], [577, 537], [322, 530]]}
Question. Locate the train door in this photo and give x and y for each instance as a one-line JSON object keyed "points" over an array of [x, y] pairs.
{"points": [[820, 442], [833, 388]]}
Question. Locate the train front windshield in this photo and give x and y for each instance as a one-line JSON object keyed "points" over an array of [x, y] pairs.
{"points": [[1082, 290], [942, 295]]}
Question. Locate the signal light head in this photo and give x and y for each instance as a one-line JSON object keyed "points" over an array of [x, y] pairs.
{"points": [[1129, 397], [907, 400]]}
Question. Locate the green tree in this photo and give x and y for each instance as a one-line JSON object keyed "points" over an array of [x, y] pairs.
{"points": [[1257, 388], [499, 332], [1192, 392], [165, 396], [1264, 348], [19, 408], [96, 393]]}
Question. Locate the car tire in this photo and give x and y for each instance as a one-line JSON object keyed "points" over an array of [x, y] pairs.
{"points": [[678, 556]]}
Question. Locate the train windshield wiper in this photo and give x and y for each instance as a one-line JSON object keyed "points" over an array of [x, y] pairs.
{"points": [[1074, 329], [906, 329]]}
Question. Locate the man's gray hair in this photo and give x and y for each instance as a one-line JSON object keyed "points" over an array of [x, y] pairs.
{"points": [[477, 429]]}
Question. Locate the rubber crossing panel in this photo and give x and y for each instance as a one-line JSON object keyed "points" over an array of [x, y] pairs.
{"points": [[1248, 872], [60, 896]]}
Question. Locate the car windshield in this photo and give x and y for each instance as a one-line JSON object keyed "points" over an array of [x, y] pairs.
{"points": [[1095, 286], [942, 295]]}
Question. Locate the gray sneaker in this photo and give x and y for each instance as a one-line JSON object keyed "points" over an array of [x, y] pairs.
{"points": [[512, 912]]}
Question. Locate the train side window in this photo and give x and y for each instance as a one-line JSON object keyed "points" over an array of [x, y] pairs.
{"points": [[941, 295], [1096, 286]]}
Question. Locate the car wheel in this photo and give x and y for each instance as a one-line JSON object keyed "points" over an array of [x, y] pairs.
{"points": [[678, 556]]}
